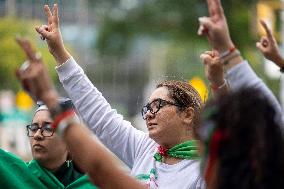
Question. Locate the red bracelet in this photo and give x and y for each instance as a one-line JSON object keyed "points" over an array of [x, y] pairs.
{"points": [[215, 87], [227, 52], [62, 116]]}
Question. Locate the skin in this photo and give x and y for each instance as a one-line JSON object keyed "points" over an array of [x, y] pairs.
{"points": [[169, 126], [88, 153], [269, 47], [214, 71], [215, 28], [50, 152], [52, 34]]}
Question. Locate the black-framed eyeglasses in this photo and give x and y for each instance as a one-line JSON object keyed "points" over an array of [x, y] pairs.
{"points": [[46, 129], [155, 106]]}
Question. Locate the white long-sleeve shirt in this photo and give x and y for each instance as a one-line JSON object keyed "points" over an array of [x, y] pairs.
{"points": [[132, 146], [242, 76]]}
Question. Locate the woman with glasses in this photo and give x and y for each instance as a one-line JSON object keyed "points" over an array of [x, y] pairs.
{"points": [[51, 166], [52, 162], [164, 158]]}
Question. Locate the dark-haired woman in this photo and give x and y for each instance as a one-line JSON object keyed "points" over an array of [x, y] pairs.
{"points": [[243, 146]]}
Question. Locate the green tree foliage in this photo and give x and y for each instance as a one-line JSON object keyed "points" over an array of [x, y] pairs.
{"points": [[168, 19], [11, 54], [173, 23]]}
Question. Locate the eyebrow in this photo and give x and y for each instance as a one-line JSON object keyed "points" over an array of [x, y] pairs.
{"points": [[149, 102], [44, 122]]}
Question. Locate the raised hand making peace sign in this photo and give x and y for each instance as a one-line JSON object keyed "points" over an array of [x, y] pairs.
{"points": [[51, 32], [215, 27]]}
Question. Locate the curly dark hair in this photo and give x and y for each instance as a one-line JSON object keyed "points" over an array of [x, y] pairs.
{"points": [[251, 152], [185, 96]]}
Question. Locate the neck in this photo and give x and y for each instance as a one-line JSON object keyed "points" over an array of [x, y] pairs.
{"points": [[53, 165], [176, 142]]}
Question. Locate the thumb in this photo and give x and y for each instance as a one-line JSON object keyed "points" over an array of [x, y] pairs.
{"points": [[42, 30], [260, 46], [205, 25], [206, 58]]}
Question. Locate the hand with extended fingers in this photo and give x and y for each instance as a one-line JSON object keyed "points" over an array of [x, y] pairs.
{"points": [[51, 33], [268, 46], [34, 76], [214, 70], [215, 27]]}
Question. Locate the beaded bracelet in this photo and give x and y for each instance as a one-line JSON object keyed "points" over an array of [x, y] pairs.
{"points": [[227, 59], [215, 88], [227, 52]]}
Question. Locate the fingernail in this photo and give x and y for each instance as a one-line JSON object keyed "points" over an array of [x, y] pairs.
{"points": [[38, 55], [201, 19]]}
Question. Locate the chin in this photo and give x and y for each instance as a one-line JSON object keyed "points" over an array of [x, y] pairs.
{"points": [[152, 133], [154, 136], [39, 156]]}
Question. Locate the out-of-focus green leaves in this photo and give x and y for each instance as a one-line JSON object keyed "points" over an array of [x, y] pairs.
{"points": [[11, 54], [168, 19], [176, 23]]}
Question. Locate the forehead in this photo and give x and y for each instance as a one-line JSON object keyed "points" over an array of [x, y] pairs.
{"points": [[161, 92], [42, 116]]}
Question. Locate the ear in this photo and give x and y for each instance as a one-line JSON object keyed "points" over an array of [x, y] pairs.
{"points": [[188, 115]]}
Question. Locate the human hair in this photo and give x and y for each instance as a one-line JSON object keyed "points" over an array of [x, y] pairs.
{"points": [[242, 132], [184, 95], [64, 102]]}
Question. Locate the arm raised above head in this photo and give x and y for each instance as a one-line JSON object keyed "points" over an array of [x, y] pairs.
{"points": [[51, 33], [87, 151], [238, 72]]}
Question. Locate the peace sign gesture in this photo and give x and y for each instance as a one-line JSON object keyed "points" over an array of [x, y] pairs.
{"points": [[268, 46], [51, 32], [215, 27]]}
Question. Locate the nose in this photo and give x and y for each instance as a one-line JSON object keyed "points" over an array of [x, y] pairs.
{"points": [[149, 115], [38, 135]]}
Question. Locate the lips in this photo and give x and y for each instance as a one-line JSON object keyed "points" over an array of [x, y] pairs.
{"points": [[38, 147], [151, 125]]}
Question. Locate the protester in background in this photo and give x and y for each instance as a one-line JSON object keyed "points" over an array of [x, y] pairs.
{"points": [[238, 73], [269, 47], [52, 163], [241, 130], [242, 142], [50, 167], [164, 158], [90, 155], [243, 146]]}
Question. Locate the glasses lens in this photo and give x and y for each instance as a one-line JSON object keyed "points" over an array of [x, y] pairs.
{"points": [[32, 129], [144, 111], [155, 106], [47, 130]]}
